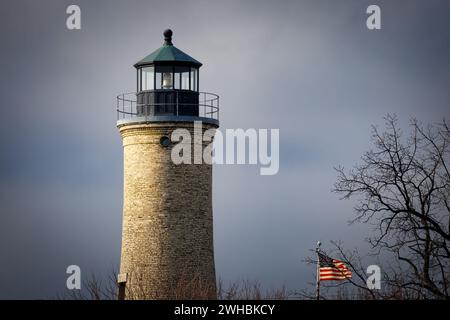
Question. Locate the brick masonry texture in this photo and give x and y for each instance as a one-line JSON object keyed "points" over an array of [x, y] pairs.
{"points": [[167, 233]]}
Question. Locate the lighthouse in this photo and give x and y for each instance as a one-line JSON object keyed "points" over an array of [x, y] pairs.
{"points": [[167, 230]]}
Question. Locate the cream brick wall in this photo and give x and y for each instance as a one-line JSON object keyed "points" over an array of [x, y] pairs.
{"points": [[167, 234]]}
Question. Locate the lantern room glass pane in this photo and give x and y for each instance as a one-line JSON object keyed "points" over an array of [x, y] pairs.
{"points": [[185, 80], [182, 77], [164, 77], [194, 79], [158, 80], [139, 82], [167, 77], [177, 80], [147, 78]]}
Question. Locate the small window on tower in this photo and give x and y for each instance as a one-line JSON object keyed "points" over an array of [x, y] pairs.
{"points": [[164, 141]]}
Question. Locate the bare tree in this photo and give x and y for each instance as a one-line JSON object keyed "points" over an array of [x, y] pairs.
{"points": [[187, 288], [403, 189]]}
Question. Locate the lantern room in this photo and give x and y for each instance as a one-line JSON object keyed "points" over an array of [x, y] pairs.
{"points": [[167, 89], [168, 82]]}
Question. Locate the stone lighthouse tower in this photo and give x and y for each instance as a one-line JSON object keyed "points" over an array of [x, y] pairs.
{"points": [[167, 234]]}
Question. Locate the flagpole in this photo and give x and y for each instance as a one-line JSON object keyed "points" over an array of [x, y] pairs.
{"points": [[318, 271]]}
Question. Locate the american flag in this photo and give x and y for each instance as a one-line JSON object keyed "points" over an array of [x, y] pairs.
{"points": [[332, 269]]}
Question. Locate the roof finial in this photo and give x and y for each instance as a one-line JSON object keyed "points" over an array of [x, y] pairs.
{"points": [[168, 37]]}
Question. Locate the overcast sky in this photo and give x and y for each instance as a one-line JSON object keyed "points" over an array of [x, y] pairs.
{"points": [[310, 68]]}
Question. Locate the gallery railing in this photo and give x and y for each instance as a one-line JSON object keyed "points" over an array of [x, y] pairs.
{"points": [[128, 107]]}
